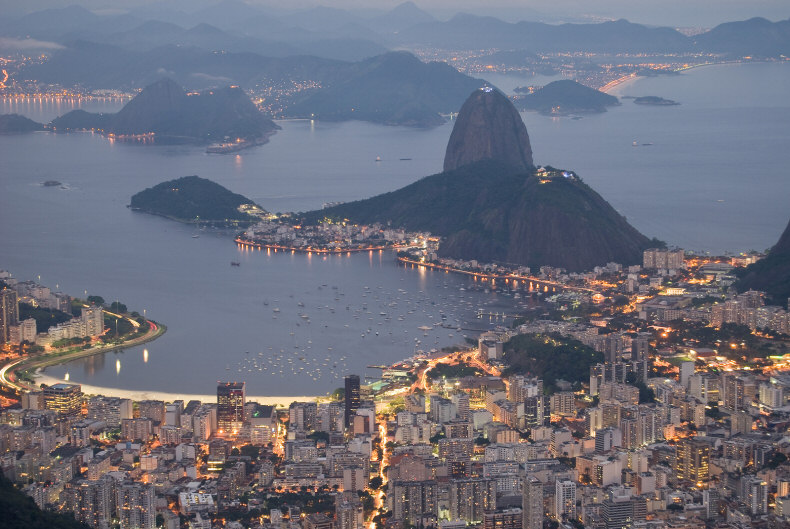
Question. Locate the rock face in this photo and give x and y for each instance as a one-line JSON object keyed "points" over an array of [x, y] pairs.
{"points": [[772, 274], [488, 127]]}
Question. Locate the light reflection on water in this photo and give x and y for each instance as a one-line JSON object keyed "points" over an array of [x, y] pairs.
{"points": [[689, 188]]}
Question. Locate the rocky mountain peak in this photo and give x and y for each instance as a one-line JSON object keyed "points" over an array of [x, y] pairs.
{"points": [[783, 246], [488, 127]]}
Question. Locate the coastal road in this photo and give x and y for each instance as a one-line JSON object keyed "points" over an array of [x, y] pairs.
{"points": [[7, 379]]}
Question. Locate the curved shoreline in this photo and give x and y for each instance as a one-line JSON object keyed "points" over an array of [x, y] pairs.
{"points": [[9, 380], [8, 372], [283, 400], [626, 79], [295, 249]]}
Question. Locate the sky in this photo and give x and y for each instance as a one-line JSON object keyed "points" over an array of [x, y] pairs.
{"points": [[676, 13]]}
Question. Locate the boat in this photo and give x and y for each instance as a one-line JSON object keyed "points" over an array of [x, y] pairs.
{"points": [[235, 263], [196, 236], [378, 158]]}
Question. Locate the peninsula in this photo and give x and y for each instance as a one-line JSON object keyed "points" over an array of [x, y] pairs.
{"points": [[492, 204], [197, 200]]}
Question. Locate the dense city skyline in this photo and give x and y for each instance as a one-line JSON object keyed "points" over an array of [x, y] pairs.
{"points": [[274, 267]]}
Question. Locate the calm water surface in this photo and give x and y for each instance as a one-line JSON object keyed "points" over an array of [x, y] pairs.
{"points": [[713, 178]]}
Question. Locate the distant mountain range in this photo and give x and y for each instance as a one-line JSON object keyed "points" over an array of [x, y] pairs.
{"points": [[166, 110], [340, 57], [394, 88], [233, 25]]}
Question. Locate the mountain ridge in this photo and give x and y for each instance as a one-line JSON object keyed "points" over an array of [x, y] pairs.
{"points": [[164, 109]]}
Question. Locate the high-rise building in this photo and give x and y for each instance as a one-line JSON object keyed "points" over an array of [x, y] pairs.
{"points": [[693, 457], [505, 519], [66, 399], [755, 495], [738, 391], [230, 407], [565, 499], [413, 501], [303, 416], [93, 317], [351, 398], [461, 401], [111, 410], [348, 511], [532, 503], [9, 313], [563, 403], [136, 506], [91, 502], [471, 498], [534, 411], [711, 500], [617, 513], [318, 520], [151, 409], [663, 259]]}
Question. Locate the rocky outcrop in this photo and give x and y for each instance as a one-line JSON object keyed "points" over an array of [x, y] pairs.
{"points": [[488, 127], [771, 274]]}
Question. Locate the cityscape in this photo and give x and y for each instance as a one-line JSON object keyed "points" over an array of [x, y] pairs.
{"points": [[558, 365], [659, 428]]}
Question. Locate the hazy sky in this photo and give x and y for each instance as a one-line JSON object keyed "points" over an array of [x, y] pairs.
{"points": [[657, 12]]}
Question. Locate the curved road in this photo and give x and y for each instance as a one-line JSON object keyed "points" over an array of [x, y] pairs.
{"points": [[7, 380]]}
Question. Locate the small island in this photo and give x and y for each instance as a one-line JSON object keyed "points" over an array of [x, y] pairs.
{"points": [[654, 101], [561, 98], [192, 199]]}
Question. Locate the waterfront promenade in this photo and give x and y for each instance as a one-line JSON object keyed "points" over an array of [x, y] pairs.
{"points": [[8, 373], [534, 282], [310, 250]]}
